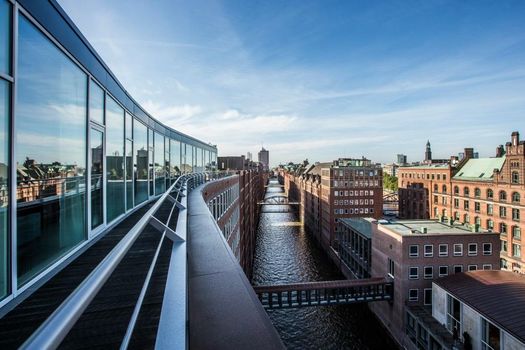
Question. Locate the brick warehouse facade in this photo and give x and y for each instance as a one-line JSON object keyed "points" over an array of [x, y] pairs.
{"points": [[482, 193], [233, 203], [328, 192]]}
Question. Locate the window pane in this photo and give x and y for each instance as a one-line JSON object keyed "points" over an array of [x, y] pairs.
{"points": [[5, 37], [4, 183], [188, 159], [151, 161], [129, 126], [160, 179], [96, 103], [175, 158], [97, 171], [114, 159], [51, 152], [129, 174], [140, 132]]}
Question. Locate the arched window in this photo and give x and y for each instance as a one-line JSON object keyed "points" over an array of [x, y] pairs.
{"points": [[490, 224], [477, 220], [466, 191], [444, 189], [444, 213], [435, 187], [456, 190], [456, 215], [466, 219], [477, 192], [515, 197], [490, 194], [515, 177], [503, 228], [502, 196]]}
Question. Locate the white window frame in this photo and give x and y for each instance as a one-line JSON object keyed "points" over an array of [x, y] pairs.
{"points": [[415, 255], [487, 266], [487, 252], [439, 271], [428, 255], [472, 253], [425, 275], [416, 297], [460, 252], [446, 250], [458, 266], [412, 277], [472, 267]]}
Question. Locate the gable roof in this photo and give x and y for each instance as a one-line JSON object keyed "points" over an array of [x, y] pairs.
{"points": [[479, 169]]}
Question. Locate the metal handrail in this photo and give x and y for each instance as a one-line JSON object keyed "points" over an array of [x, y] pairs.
{"points": [[134, 317], [56, 327]]}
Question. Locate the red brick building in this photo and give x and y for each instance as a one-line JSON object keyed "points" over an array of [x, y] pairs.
{"points": [[414, 253], [344, 188], [233, 204], [481, 193]]}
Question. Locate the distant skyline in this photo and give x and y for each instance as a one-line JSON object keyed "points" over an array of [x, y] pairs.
{"points": [[320, 79]]}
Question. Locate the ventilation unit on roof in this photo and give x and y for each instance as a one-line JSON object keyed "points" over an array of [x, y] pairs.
{"points": [[424, 230]]}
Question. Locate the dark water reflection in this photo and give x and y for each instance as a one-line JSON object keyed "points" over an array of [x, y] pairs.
{"points": [[284, 254]]}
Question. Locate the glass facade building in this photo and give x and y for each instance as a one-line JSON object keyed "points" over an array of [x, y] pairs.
{"points": [[77, 153]]}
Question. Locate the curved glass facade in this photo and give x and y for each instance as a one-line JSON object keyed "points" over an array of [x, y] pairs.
{"points": [[50, 152], [79, 154]]}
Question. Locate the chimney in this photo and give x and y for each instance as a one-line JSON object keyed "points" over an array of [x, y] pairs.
{"points": [[515, 138], [500, 151], [469, 153]]}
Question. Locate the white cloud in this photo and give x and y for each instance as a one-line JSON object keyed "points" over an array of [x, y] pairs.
{"points": [[175, 113]]}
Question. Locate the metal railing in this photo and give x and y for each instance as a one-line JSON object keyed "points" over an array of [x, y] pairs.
{"points": [[56, 327]]}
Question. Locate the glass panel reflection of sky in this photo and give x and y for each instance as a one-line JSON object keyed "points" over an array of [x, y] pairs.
{"points": [[50, 152], [140, 134], [5, 34], [4, 194], [114, 159], [175, 158], [159, 164], [96, 103]]}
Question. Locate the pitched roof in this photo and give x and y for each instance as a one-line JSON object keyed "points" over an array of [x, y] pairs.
{"points": [[497, 295], [479, 169]]}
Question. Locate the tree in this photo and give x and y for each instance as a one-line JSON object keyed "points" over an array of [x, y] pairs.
{"points": [[389, 182]]}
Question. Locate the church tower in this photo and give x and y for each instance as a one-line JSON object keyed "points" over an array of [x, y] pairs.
{"points": [[428, 153]]}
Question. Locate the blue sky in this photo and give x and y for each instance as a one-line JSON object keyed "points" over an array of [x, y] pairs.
{"points": [[320, 79]]}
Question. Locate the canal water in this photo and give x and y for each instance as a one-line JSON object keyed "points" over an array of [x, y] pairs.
{"points": [[284, 254]]}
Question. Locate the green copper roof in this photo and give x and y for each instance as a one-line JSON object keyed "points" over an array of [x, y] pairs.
{"points": [[481, 169], [361, 225]]}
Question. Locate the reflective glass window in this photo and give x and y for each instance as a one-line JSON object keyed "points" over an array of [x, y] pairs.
{"points": [[97, 171], [129, 126], [188, 167], [5, 37], [96, 103], [160, 176], [5, 97], [167, 161], [174, 158], [129, 174], [140, 132], [114, 159], [199, 160], [51, 124], [151, 161]]}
